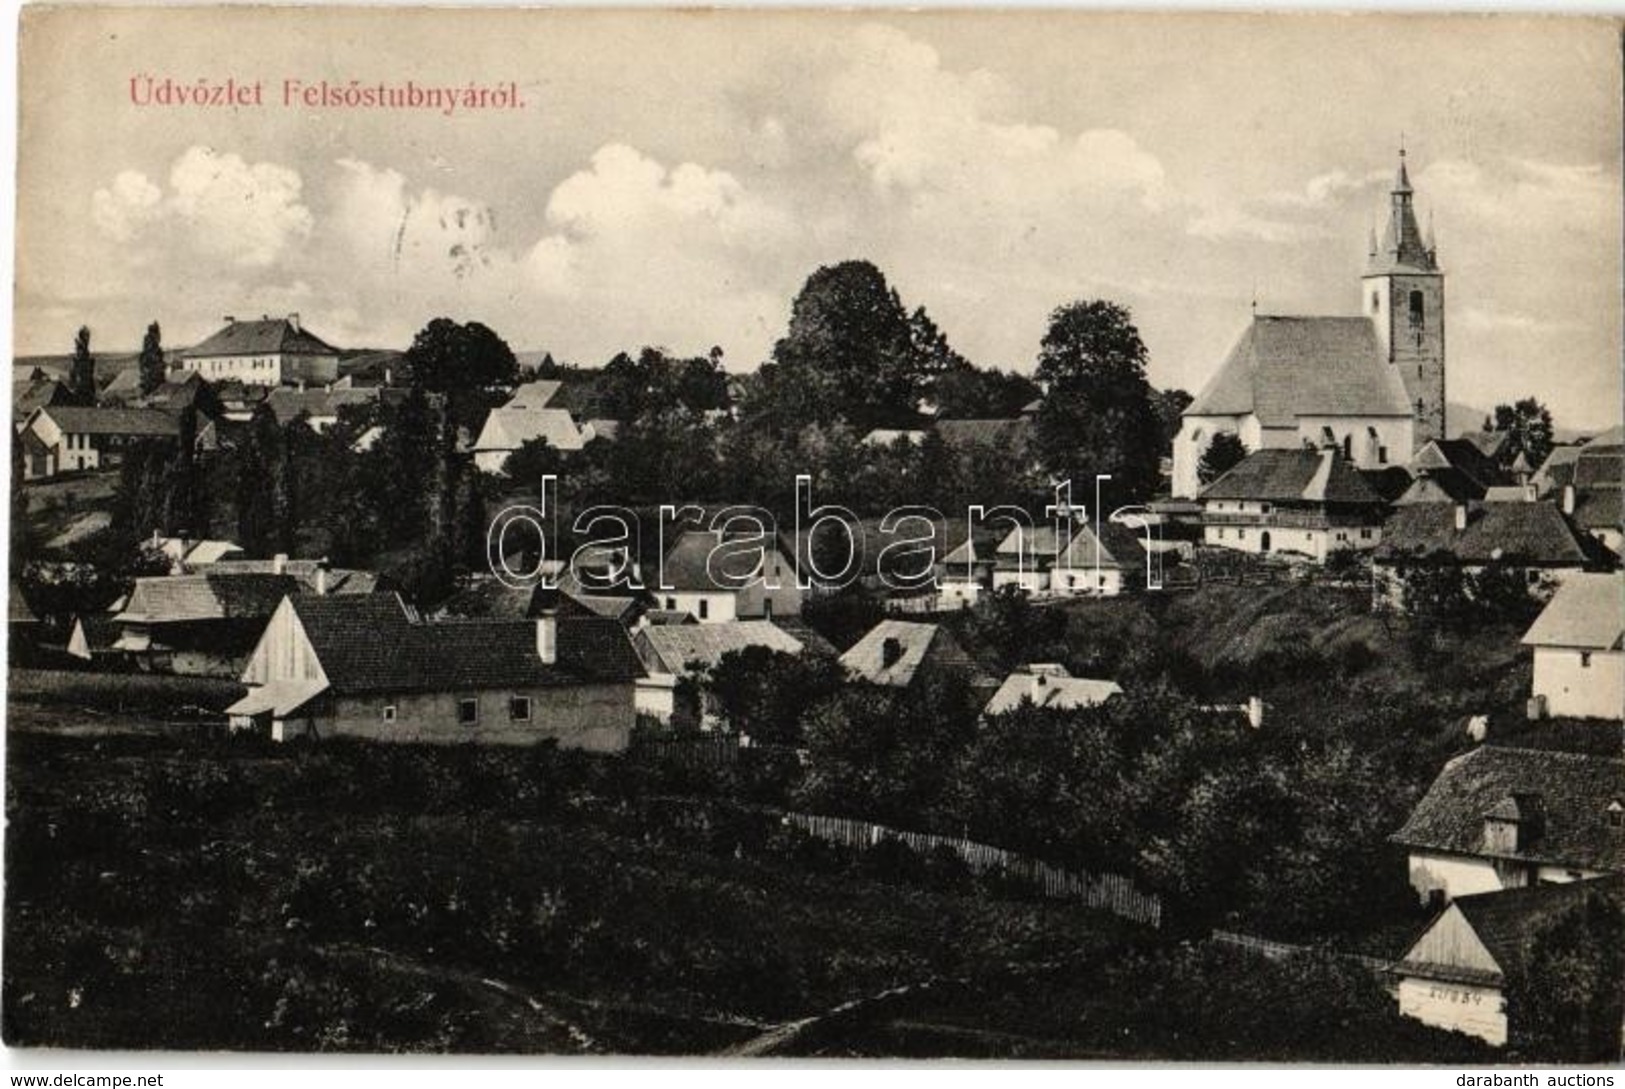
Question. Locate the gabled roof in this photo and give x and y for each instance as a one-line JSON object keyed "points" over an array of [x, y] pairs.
{"points": [[1477, 470], [1531, 533], [918, 644], [141, 422], [26, 397], [511, 428], [264, 337], [1314, 476], [701, 561], [370, 643], [537, 394], [174, 599], [287, 403], [1575, 792], [1600, 508], [681, 648], [1506, 923], [1488, 443], [1286, 367], [1049, 687], [18, 610], [1587, 613], [1116, 546]]}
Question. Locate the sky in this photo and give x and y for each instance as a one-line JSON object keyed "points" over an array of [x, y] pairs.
{"points": [[674, 177]]}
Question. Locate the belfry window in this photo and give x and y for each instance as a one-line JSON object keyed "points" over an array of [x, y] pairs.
{"points": [[1418, 308]]}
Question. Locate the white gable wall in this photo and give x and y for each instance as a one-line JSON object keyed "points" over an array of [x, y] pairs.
{"points": [[1581, 684]]}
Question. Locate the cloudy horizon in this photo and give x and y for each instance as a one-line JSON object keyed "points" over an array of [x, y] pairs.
{"points": [[676, 177]]}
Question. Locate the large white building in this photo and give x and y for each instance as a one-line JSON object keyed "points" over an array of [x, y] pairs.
{"points": [[1371, 384], [1579, 648], [267, 352]]}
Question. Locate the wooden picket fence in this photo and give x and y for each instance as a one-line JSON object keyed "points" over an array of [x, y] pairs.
{"points": [[710, 750], [1107, 891]]}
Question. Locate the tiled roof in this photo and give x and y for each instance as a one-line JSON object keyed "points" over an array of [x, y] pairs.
{"points": [[369, 643], [1574, 790], [261, 338], [1465, 460], [1286, 367], [1529, 532], [702, 561], [1600, 467], [340, 580], [537, 394], [1508, 922], [917, 643], [511, 428], [678, 648], [1557, 470], [1315, 476], [1600, 508], [26, 397], [83, 420], [288, 402], [1489, 443], [963, 435], [169, 599], [1588, 612], [1116, 546], [1050, 688]]}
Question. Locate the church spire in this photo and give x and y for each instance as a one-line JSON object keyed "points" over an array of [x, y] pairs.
{"points": [[1402, 249]]}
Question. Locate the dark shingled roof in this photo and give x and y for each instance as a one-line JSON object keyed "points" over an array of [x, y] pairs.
{"points": [[1509, 922], [83, 420], [1314, 476], [929, 646], [1575, 792], [287, 403], [1117, 546], [704, 562], [371, 643], [174, 599], [1286, 367], [1463, 463], [261, 338], [1533, 533]]}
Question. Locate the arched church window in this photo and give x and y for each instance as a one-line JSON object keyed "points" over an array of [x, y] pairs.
{"points": [[1376, 303], [1418, 308], [1348, 447]]}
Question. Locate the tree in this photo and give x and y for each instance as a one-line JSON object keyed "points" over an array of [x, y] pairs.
{"points": [[1170, 405], [1565, 1003], [849, 353], [467, 365], [1224, 452], [1530, 425], [151, 366], [1097, 416], [257, 457], [764, 693], [82, 370]]}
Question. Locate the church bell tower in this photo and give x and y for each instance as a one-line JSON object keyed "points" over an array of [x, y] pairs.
{"points": [[1403, 291]]}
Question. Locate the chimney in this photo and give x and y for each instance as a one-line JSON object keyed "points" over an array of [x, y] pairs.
{"points": [[1568, 499], [1530, 492], [1255, 712], [891, 651], [230, 320], [321, 581], [279, 563], [547, 637], [1461, 517], [293, 320], [157, 537]]}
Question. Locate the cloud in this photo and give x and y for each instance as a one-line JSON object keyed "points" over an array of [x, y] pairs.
{"points": [[218, 204], [423, 234]]}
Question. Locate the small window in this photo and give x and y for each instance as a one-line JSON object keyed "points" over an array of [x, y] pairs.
{"points": [[1382, 455], [1418, 308], [1365, 535], [671, 604], [1348, 447], [705, 608], [767, 608], [1585, 659], [389, 713], [468, 712], [519, 708]]}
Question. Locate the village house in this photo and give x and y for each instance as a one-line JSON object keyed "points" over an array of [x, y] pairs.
{"points": [[320, 407], [672, 653], [1505, 818], [964, 573], [1372, 384], [1049, 685], [79, 438], [267, 352], [34, 393], [1103, 563], [528, 415], [1452, 471], [1455, 976], [1306, 502], [1579, 649], [1533, 538], [187, 554], [717, 579], [903, 654], [198, 625], [366, 665]]}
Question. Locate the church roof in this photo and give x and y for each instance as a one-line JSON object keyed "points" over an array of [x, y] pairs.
{"points": [[1286, 367], [1403, 248]]}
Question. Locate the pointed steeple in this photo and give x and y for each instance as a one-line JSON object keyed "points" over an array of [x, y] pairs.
{"points": [[1402, 249]]}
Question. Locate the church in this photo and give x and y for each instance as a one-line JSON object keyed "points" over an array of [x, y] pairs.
{"points": [[1371, 385]]}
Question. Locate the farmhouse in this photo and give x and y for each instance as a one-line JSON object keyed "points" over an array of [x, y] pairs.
{"points": [[366, 665], [672, 652], [1455, 975], [1104, 563], [1452, 471], [1579, 649], [1307, 502], [902, 654], [267, 352], [198, 625], [1049, 685], [1503, 818], [716, 578], [1371, 384], [79, 438]]}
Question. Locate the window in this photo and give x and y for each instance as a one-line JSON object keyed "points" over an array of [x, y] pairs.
{"points": [[767, 608], [519, 708], [1585, 659], [468, 712], [1382, 455], [1418, 308], [1348, 447], [671, 604], [705, 608], [1365, 535], [1376, 302], [389, 713]]}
